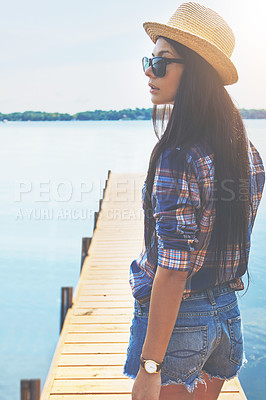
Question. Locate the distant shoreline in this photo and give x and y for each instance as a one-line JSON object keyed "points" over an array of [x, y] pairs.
{"points": [[102, 115]]}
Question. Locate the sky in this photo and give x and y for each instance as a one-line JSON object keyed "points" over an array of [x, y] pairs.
{"points": [[71, 56]]}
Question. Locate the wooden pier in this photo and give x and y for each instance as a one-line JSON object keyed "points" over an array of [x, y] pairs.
{"points": [[91, 350]]}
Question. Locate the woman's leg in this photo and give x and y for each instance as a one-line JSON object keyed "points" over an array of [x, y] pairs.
{"points": [[175, 392], [213, 390]]}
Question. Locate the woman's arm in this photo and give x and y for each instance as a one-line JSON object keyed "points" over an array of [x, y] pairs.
{"points": [[166, 296], [167, 291]]}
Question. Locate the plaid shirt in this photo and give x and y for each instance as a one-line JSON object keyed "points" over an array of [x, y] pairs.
{"points": [[183, 203]]}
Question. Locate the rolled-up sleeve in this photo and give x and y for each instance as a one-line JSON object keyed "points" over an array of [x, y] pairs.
{"points": [[176, 201]]}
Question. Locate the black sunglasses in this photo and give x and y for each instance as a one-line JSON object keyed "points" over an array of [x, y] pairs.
{"points": [[158, 64]]}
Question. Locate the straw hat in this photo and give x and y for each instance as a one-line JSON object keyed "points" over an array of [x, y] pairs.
{"points": [[204, 31]]}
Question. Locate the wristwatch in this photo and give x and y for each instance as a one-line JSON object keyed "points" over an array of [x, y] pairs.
{"points": [[150, 366]]}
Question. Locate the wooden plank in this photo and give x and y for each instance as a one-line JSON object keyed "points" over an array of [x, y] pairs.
{"points": [[91, 290], [110, 239], [100, 308], [230, 396], [111, 371], [99, 272], [95, 348], [100, 319], [103, 337], [114, 246], [98, 328], [95, 396], [112, 286], [105, 298], [102, 311], [96, 276], [120, 249], [112, 283], [113, 265], [89, 386], [109, 287], [92, 359], [115, 250], [97, 292]]}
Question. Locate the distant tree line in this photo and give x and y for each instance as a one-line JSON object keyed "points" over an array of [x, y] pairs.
{"points": [[35, 116], [97, 115], [101, 115]]}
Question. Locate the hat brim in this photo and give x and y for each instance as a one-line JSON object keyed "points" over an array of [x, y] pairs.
{"points": [[211, 53]]}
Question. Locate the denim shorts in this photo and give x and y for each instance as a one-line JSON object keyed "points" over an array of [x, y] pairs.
{"points": [[207, 336]]}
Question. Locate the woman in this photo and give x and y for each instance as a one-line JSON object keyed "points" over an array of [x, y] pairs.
{"points": [[200, 198]]}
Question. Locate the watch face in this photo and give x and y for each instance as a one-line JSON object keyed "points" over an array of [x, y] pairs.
{"points": [[150, 366]]}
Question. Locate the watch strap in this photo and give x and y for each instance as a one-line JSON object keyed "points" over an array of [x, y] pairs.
{"points": [[158, 365]]}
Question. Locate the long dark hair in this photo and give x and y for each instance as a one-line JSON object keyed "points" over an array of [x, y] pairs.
{"points": [[203, 111]]}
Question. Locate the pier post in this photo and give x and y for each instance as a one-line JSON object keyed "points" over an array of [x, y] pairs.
{"points": [[30, 389], [96, 215], [108, 176], [66, 303], [84, 250]]}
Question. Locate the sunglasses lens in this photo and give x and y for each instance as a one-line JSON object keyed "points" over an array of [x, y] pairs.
{"points": [[157, 63], [145, 63], [158, 67]]}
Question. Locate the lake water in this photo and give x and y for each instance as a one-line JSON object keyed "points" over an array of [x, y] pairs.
{"points": [[52, 176]]}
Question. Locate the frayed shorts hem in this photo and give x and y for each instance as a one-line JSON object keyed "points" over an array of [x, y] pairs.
{"points": [[189, 386], [197, 379], [227, 378]]}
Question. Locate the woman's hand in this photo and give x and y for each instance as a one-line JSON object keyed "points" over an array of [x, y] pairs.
{"points": [[146, 386]]}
